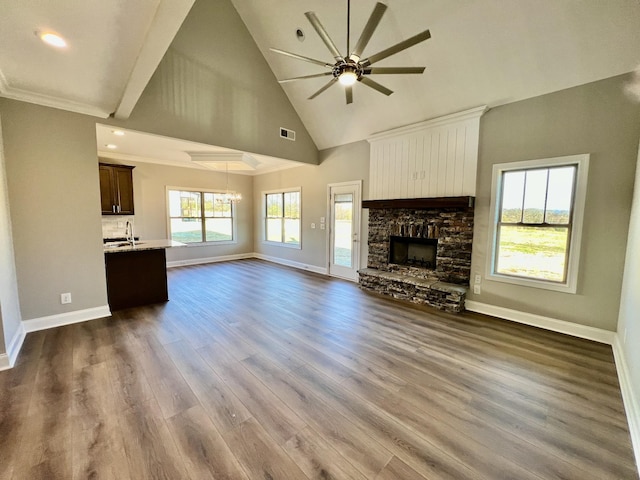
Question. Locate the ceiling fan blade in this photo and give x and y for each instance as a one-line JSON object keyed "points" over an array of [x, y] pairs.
{"points": [[305, 77], [370, 27], [376, 86], [349, 92], [324, 35], [331, 82], [398, 47], [300, 57], [392, 70]]}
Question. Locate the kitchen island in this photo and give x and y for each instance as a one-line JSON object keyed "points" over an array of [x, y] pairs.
{"points": [[137, 272]]}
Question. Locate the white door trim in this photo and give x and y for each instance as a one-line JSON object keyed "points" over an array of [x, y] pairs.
{"points": [[357, 201]]}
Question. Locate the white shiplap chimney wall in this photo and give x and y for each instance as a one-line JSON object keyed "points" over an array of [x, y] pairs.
{"points": [[435, 158]]}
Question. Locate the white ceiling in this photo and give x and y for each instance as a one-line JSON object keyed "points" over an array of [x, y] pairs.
{"points": [[113, 48], [482, 52], [145, 147]]}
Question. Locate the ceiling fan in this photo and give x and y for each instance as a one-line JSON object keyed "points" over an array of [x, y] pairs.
{"points": [[352, 68]]}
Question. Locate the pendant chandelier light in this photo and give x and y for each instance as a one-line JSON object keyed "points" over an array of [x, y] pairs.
{"points": [[227, 196]]}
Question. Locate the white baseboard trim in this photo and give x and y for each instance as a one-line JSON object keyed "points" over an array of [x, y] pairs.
{"points": [[631, 405], [77, 316], [291, 263], [15, 345], [4, 362], [243, 256], [555, 325], [201, 261]]}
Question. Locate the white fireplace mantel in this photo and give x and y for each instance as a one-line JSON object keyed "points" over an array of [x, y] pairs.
{"points": [[434, 158]]}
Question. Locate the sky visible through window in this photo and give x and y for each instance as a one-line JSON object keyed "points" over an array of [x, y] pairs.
{"points": [[558, 198]]}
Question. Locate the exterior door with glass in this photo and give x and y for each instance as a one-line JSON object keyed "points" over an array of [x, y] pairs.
{"points": [[344, 230]]}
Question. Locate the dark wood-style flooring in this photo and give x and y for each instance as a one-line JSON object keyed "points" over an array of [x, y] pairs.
{"points": [[257, 371]]}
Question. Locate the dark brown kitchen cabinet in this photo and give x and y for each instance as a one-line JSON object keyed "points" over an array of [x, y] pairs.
{"points": [[136, 277], [116, 189]]}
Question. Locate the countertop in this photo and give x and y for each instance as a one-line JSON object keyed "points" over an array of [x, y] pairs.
{"points": [[118, 247]]}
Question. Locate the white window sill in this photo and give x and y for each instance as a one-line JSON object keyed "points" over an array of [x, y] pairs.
{"points": [[296, 246], [533, 283], [211, 244]]}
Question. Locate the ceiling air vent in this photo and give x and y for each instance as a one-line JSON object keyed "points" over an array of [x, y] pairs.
{"points": [[288, 134]]}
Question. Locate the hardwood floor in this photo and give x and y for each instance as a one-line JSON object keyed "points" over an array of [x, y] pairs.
{"points": [[257, 371]]}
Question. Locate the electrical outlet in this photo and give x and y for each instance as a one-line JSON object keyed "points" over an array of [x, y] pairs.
{"points": [[65, 298], [322, 226], [313, 225], [476, 289], [321, 219], [478, 278]]}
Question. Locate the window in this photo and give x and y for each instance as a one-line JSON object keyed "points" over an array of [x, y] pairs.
{"points": [[537, 207], [282, 217], [199, 216]]}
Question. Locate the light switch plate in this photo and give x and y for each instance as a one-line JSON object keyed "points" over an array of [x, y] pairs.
{"points": [[476, 289]]}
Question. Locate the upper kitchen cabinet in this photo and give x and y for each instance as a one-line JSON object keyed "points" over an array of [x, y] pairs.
{"points": [[116, 189]]}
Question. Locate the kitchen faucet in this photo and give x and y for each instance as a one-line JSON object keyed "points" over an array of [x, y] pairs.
{"points": [[128, 233]]}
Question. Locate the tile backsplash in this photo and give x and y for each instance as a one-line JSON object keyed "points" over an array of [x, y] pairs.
{"points": [[113, 226]]}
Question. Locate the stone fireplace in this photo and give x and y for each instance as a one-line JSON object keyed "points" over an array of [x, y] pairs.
{"points": [[420, 250]]}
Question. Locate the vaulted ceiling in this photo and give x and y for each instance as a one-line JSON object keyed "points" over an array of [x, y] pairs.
{"points": [[482, 52]]}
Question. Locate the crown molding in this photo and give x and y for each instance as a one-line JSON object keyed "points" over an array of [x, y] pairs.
{"points": [[473, 113], [14, 93]]}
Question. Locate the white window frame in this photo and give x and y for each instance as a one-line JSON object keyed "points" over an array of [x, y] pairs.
{"points": [[571, 281], [234, 229], [264, 218]]}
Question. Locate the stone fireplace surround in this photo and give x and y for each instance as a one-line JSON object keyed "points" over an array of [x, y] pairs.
{"points": [[447, 219]]}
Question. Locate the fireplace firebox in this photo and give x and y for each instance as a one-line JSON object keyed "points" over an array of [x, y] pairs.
{"points": [[415, 252]]}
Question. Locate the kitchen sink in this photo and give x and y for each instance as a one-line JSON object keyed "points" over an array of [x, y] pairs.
{"points": [[121, 244]]}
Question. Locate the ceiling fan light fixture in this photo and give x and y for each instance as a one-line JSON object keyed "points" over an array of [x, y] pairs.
{"points": [[348, 77], [349, 69]]}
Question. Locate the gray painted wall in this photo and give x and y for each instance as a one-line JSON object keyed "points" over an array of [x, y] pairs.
{"points": [[596, 118], [214, 86], [339, 164], [52, 174]]}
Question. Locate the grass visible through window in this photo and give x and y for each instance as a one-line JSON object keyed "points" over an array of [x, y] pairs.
{"points": [[532, 252]]}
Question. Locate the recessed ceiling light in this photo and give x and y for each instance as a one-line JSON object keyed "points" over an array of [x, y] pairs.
{"points": [[52, 39], [119, 133], [111, 146]]}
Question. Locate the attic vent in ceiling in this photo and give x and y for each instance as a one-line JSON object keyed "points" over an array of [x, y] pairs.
{"points": [[288, 134]]}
